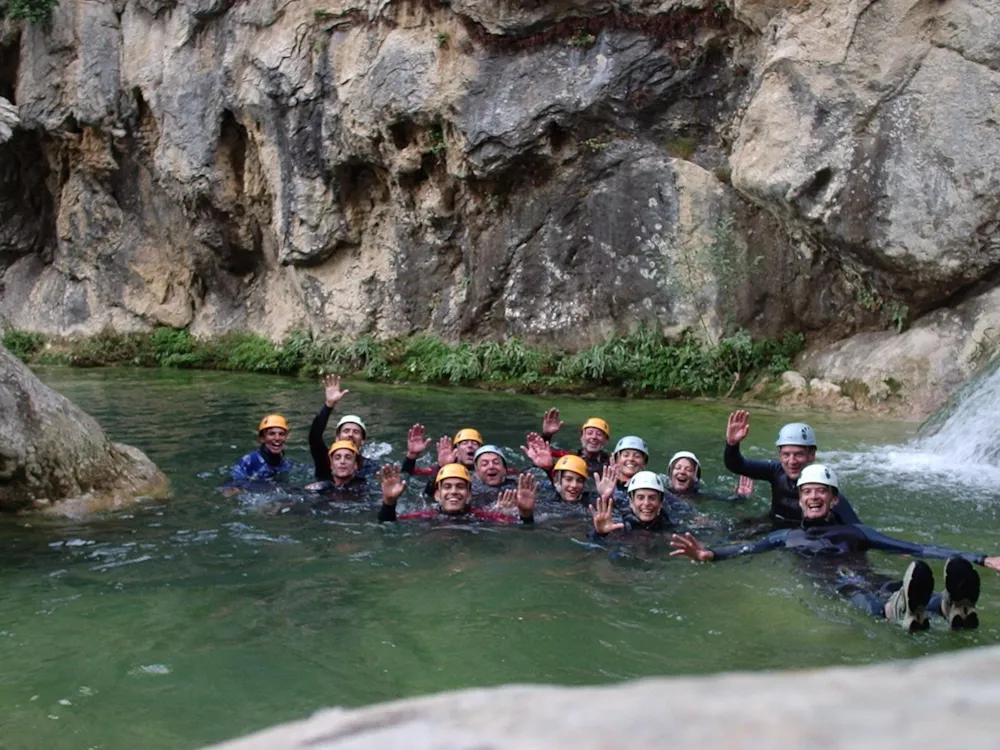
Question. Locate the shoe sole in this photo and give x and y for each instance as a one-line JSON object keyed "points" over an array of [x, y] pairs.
{"points": [[961, 581], [918, 593]]}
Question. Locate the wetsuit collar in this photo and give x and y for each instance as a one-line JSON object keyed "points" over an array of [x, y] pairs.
{"points": [[272, 459], [830, 520]]}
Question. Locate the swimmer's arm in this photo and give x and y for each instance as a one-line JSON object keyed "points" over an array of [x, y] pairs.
{"points": [[748, 467], [774, 540], [845, 512], [891, 544], [317, 446], [386, 513]]}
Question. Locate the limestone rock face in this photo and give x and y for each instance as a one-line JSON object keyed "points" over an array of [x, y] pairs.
{"points": [[8, 120], [56, 458], [955, 703], [874, 126]]}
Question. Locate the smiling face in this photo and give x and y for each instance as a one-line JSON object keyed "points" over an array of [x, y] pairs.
{"points": [[452, 494], [490, 469], [593, 440], [465, 452], [273, 439], [646, 504], [569, 486], [343, 464], [352, 432], [794, 458], [816, 501], [683, 474], [630, 461]]}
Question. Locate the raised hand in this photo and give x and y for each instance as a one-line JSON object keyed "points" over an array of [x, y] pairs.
{"points": [[416, 441], [446, 451], [992, 562], [392, 483], [551, 424], [603, 521], [607, 481], [506, 500], [744, 486], [525, 495], [331, 386], [685, 545], [538, 451], [738, 427]]}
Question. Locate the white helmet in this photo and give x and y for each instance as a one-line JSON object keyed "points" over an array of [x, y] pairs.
{"points": [[796, 433], [488, 449], [352, 419], [631, 442], [689, 456], [646, 480], [817, 474]]}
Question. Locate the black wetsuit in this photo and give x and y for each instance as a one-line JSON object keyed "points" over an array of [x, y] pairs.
{"points": [[632, 522], [320, 451], [785, 511], [834, 543]]}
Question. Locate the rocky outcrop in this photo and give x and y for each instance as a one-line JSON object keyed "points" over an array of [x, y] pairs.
{"points": [[950, 700], [554, 171], [55, 458]]}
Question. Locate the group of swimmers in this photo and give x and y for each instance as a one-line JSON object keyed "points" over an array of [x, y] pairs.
{"points": [[471, 479]]}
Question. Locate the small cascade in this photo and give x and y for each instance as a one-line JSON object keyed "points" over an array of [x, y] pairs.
{"points": [[958, 446]]}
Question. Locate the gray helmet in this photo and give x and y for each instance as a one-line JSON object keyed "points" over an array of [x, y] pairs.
{"points": [[631, 442], [690, 457], [818, 474], [646, 480], [796, 433], [489, 449]]}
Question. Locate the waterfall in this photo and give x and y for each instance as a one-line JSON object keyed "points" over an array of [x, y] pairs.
{"points": [[957, 447]]}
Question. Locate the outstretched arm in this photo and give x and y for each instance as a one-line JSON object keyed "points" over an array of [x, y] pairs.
{"points": [[877, 540], [551, 424], [392, 487]]}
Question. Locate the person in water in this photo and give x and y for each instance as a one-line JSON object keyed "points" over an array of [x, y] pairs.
{"points": [[343, 458], [268, 462], [460, 449], [452, 495], [630, 457], [646, 511], [796, 449], [824, 539], [594, 436], [349, 427], [684, 481]]}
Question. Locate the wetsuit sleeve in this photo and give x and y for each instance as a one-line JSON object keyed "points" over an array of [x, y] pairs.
{"points": [[240, 471], [748, 467], [317, 446], [409, 465], [774, 540], [891, 544], [386, 513], [846, 513]]}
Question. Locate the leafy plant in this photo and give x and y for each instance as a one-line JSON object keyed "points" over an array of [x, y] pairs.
{"points": [[22, 344], [582, 38], [32, 11]]}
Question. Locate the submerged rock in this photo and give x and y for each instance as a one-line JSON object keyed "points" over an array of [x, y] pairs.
{"points": [[942, 701], [56, 458]]}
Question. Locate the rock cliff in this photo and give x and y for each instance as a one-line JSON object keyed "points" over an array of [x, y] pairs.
{"points": [[557, 171], [57, 459]]}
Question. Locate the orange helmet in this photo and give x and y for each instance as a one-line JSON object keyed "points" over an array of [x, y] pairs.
{"points": [[599, 424], [467, 434], [572, 463], [343, 445], [452, 471], [272, 420]]}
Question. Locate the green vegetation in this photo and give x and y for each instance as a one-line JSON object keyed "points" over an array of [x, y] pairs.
{"points": [[582, 38], [442, 38], [596, 145], [644, 362], [32, 11], [436, 138], [681, 147]]}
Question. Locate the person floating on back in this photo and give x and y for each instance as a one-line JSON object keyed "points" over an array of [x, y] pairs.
{"points": [[823, 540], [796, 449]]}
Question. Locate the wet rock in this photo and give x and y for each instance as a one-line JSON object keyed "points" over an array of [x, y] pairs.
{"points": [[952, 702], [55, 458]]}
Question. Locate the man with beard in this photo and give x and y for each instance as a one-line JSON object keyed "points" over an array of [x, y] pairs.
{"points": [[796, 449], [824, 542]]}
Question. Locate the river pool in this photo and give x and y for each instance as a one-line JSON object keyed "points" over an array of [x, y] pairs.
{"points": [[177, 624]]}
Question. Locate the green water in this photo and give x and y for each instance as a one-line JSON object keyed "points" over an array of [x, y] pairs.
{"points": [[179, 624]]}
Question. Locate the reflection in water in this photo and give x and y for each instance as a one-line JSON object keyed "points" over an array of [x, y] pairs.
{"points": [[178, 624]]}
